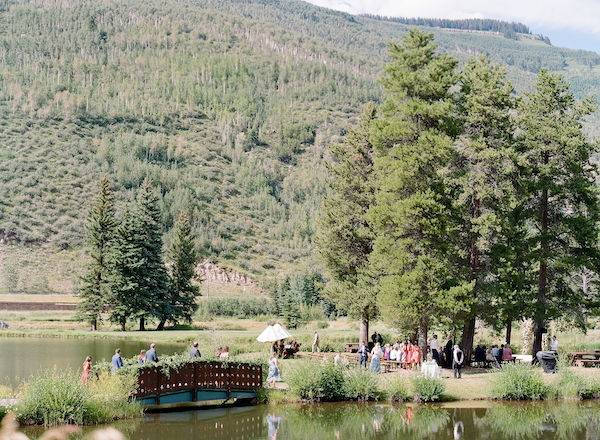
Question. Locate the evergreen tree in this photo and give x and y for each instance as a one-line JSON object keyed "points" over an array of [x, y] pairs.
{"points": [[480, 175], [181, 301], [345, 237], [141, 281], [413, 250], [125, 299], [560, 196], [153, 278], [291, 310], [94, 289]]}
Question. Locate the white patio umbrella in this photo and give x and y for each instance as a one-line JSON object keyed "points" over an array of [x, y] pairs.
{"points": [[273, 333]]}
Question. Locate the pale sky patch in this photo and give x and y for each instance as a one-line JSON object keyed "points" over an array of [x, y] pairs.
{"points": [[564, 16]]}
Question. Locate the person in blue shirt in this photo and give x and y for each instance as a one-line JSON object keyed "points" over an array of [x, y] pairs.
{"points": [[151, 354], [117, 361]]}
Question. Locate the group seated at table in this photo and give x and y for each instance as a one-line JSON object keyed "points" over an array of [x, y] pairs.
{"points": [[285, 350]]}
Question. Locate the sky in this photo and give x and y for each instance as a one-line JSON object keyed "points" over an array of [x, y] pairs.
{"points": [[568, 23]]}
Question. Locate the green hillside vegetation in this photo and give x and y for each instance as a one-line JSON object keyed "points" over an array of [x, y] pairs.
{"points": [[227, 106]]}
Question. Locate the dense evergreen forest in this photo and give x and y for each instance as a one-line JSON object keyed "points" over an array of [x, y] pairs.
{"points": [[509, 30], [226, 106]]}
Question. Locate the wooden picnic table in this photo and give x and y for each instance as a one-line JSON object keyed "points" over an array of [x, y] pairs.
{"points": [[351, 347], [584, 358]]}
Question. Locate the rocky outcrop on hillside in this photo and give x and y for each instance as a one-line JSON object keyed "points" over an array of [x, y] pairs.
{"points": [[206, 270]]}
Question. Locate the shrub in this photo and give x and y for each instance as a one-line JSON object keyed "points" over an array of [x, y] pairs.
{"points": [[54, 398], [244, 307], [331, 382], [571, 385], [397, 389], [304, 381], [519, 382], [361, 385], [110, 396], [57, 397], [427, 389], [322, 324]]}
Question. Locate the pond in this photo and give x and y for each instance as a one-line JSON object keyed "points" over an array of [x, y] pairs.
{"points": [[22, 357], [483, 420]]}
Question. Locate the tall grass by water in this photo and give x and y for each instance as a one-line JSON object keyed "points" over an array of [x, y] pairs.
{"points": [[57, 397], [519, 382], [427, 389]]}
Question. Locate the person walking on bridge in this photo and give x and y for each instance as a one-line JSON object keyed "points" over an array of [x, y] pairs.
{"points": [[194, 352], [117, 361], [151, 354]]}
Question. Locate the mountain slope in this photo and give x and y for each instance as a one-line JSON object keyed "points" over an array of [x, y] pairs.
{"points": [[227, 105]]}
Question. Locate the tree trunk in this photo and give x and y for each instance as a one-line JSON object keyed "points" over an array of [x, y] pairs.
{"points": [[142, 324], [540, 312], [364, 327], [161, 324], [508, 330], [422, 337], [468, 335], [123, 322], [94, 325]]}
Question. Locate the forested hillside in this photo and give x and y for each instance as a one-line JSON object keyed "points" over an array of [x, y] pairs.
{"points": [[226, 105]]}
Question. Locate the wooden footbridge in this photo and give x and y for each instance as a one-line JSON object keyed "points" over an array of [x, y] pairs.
{"points": [[199, 383]]}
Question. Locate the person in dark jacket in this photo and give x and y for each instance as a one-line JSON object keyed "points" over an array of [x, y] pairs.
{"points": [[448, 353]]}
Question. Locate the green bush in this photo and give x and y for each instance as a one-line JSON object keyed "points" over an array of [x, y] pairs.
{"points": [[361, 385], [397, 389], [58, 397], [304, 381], [427, 389], [519, 382], [54, 398], [571, 385], [331, 383], [245, 307]]}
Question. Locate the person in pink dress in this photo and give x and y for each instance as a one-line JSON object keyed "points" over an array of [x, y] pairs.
{"points": [[87, 367], [416, 358], [409, 353]]}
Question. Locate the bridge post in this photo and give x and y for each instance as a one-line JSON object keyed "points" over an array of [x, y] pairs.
{"points": [[195, 380], [158, 380], [228, 380]]}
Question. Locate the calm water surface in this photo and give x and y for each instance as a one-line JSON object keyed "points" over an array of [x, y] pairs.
{"points": [[568, 421], [22, 357]]}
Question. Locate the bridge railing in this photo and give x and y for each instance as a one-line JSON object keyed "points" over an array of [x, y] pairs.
{"points": [[200, 375]]}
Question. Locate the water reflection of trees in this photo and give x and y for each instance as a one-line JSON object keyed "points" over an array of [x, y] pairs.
{"points": [[532, 420], [363, 421]]}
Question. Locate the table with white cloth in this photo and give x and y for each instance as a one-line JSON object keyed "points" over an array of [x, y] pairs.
{"points": [[430, 369]]}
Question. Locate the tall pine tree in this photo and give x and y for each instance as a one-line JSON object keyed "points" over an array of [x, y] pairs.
{"points": [[345, 238], [140, 287], [560, 196], [94, 288], [153, 278], [125, 300], [180, 303], [412, 218], [480, 175]]}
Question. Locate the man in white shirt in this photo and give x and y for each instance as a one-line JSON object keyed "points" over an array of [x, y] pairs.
{"points": [[554, 344], [315, 344], [434, 346], [394, 354]]}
